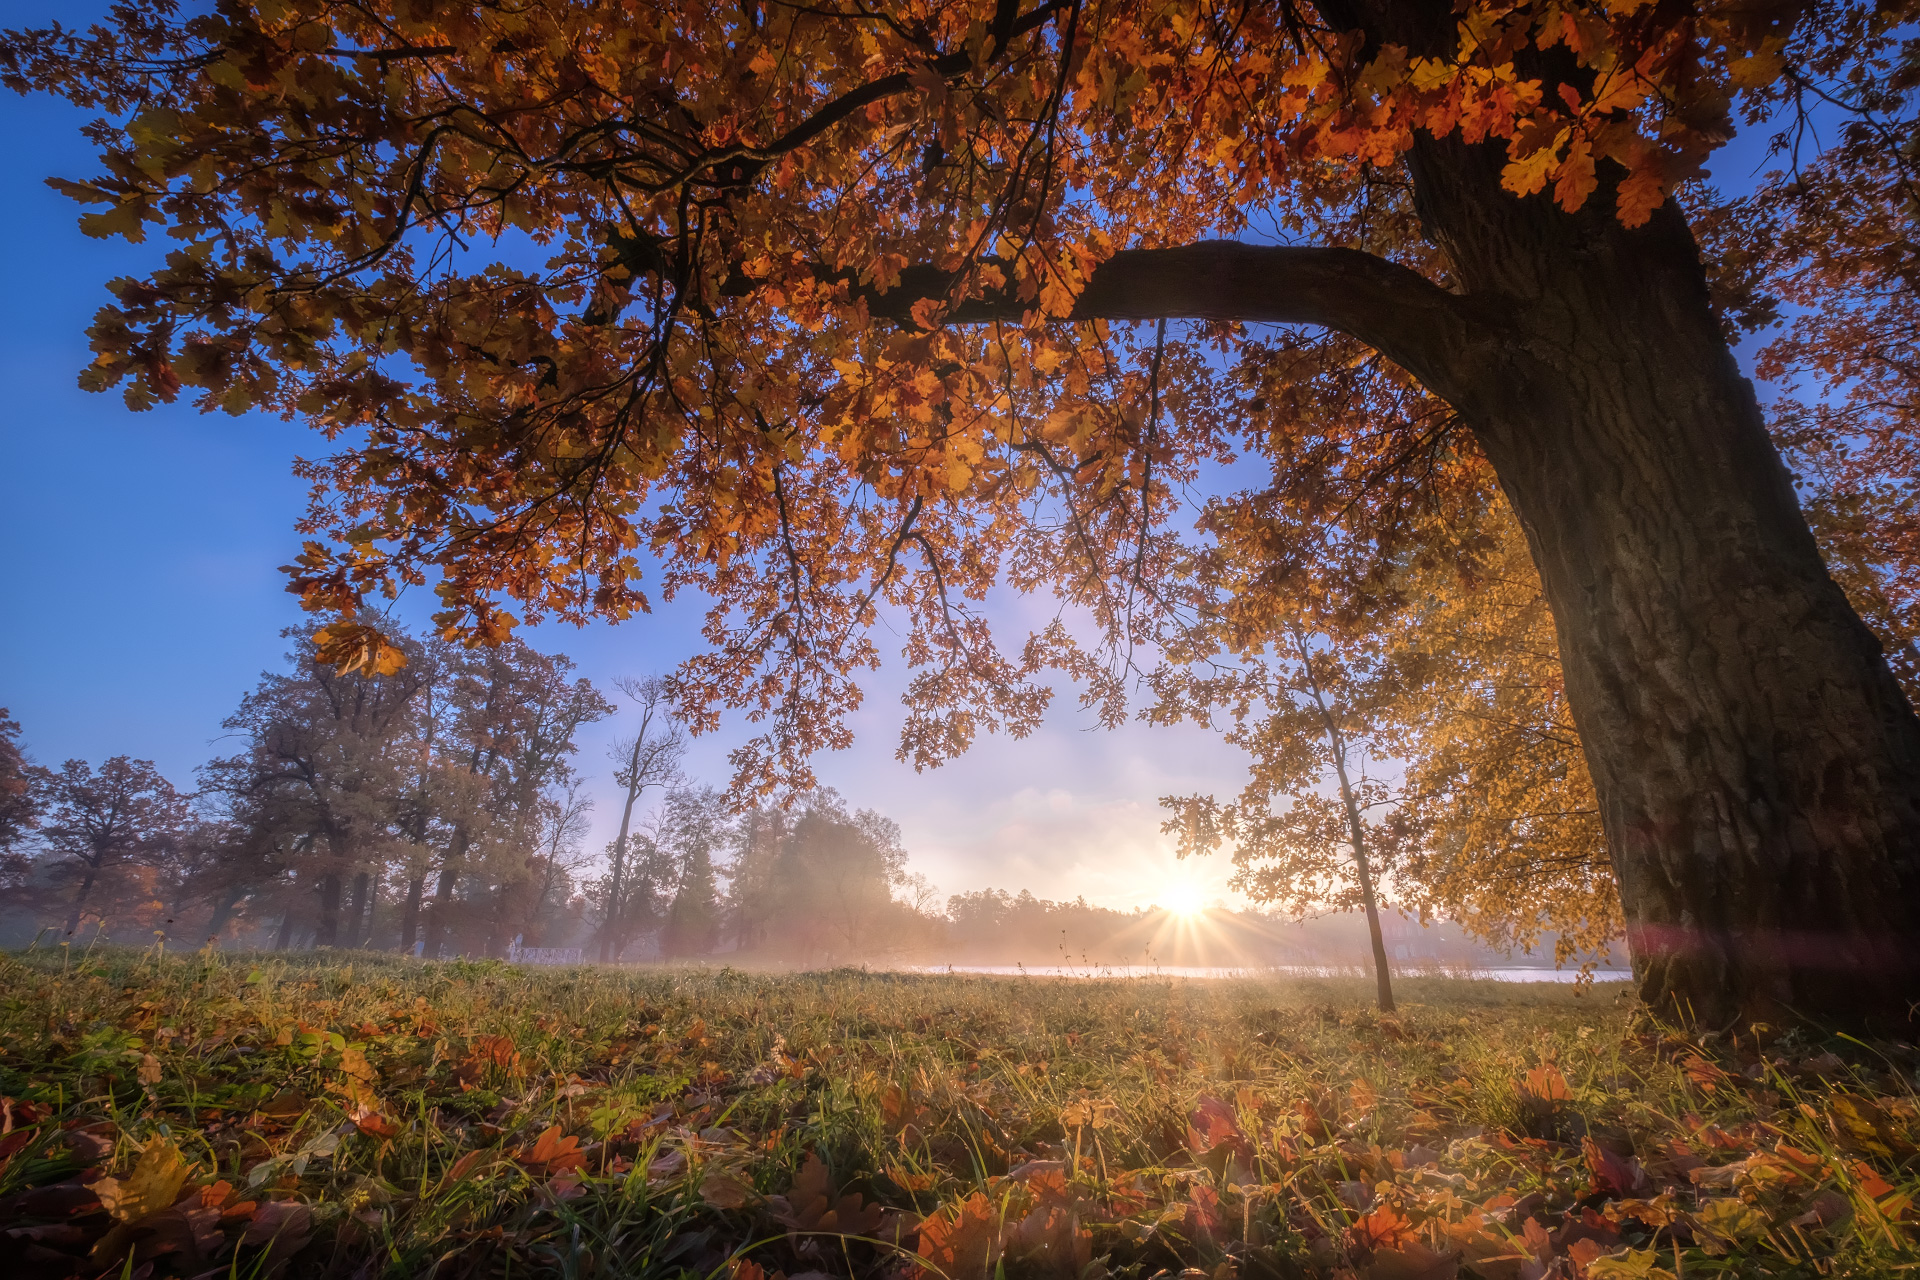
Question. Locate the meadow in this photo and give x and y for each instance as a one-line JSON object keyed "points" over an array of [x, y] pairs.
{"points": [[362, 1116]]}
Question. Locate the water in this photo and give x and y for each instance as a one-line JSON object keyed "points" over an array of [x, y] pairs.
{"points": [[1515, 974]]}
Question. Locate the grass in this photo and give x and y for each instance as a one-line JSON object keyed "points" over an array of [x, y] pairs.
{"points": [[361, 1116]]}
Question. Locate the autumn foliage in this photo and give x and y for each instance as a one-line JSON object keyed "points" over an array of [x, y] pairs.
{"points": [[827, 313]]}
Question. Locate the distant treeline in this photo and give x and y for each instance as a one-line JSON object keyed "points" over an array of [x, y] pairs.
{"points": [[438, 808]]}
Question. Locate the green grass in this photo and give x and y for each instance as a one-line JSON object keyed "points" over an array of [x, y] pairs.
{"points": [[379, 1117]]}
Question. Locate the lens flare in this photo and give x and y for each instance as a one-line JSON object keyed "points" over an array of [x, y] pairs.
{"points": [[1182, 899]]}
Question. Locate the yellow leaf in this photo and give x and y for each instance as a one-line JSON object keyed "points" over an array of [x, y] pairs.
{"points": [[1527, 174], [353, 1061], [153, 1185], [1725, 1223], [1430, 73], [1575, 180], [1628, 1264]]}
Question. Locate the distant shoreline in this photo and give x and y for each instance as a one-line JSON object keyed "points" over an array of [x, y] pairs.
{"points": [[1504, 973]]}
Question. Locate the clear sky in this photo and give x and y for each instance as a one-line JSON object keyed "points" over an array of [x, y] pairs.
{"points": [[141, 597]]}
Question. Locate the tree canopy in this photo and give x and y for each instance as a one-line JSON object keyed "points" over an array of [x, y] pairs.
{"points": [[820, 310]]}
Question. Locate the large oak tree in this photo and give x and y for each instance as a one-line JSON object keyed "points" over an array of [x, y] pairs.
{"points": [[813, 305]]}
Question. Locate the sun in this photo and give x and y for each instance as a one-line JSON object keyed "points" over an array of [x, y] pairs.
{"points": [[1182, 898]]}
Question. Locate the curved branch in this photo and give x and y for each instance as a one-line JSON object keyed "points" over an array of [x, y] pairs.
{"points": [[1391, 308]]}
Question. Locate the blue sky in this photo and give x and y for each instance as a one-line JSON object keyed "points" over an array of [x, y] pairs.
{"points": [[141, 597]]}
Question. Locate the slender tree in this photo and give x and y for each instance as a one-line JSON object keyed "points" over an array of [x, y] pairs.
{"points": [[695, 825], [1311, 715], [649, 758]]}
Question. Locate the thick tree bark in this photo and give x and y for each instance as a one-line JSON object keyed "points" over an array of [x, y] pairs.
{"points": [[1757, 766], [223, 911], [441, 917]]}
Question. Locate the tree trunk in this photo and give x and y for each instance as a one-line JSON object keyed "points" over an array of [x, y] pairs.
{"points": [[285, 937], [79, 903], [1757, 766], [440, 917], [362, 910], [327, 932], [612, 939], [1356, 829], [410, 915], [223, 911]]}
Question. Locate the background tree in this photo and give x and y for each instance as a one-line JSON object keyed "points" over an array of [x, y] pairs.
{"points": [[1309, 714], [19, 803], [693, 830], [566, 817], [1482, 197], [516, 712], [357, 787], [649, 758], [323, 767], [814, 881], [107, 834]]}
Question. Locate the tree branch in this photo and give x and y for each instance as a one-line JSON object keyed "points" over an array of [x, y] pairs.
{"points": [[1393, 309]]}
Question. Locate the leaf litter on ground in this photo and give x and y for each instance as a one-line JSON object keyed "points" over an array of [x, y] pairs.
{"points": [[364, 1116]]}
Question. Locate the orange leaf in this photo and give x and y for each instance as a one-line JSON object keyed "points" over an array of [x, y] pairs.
{"points": [[1548, 1084], [555, 1153], [354, 646], [961, 1241]]}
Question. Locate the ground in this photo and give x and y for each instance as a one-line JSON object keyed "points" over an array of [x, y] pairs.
{"points": [[361, 1116]]}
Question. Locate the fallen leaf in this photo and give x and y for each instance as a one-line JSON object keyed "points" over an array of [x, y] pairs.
{"points": [[1547, 1083], [1827, 1209], [554, 1153], [1628, 1264], [1722, 1224], [961, 1241], [153, 1185], [722, 1190]]}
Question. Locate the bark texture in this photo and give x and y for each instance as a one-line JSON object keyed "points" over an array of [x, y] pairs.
{"points": [[1757, 766]]}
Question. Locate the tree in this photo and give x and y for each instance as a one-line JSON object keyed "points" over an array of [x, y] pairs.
{"points": [[323, 769], [650, 758], [19, 801], [103, 829], [1306, 714], [815, 881], [694, 825], [828, 325], [514, 715], [565, 819]]}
